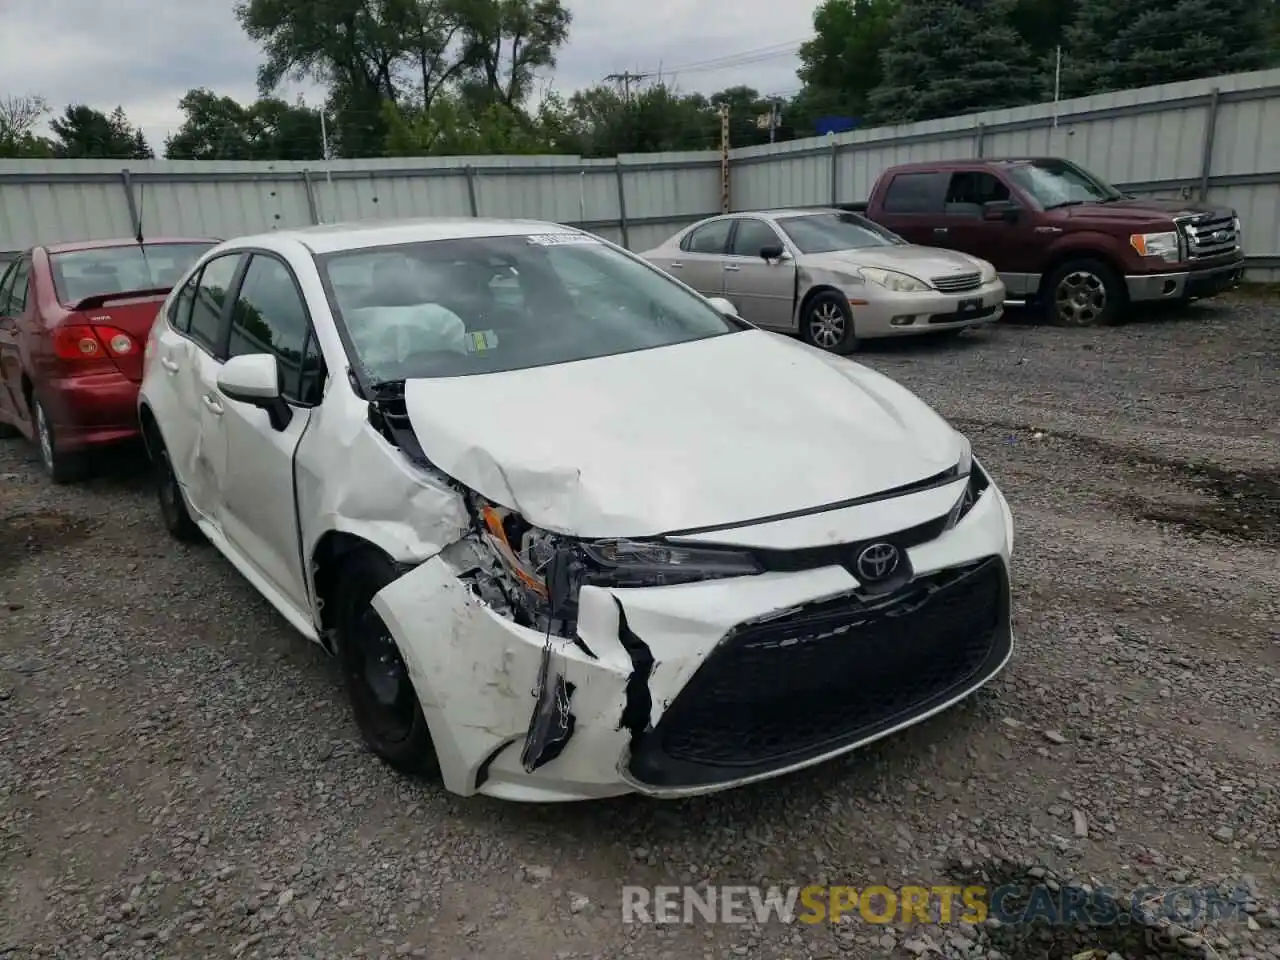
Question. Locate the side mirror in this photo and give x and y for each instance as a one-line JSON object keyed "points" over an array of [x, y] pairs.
{"points": [[723, 306], [1005, 210], [254, 378], [773, 251]]}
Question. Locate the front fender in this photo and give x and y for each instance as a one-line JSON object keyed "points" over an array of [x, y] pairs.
{"points": [[1094, 243]]}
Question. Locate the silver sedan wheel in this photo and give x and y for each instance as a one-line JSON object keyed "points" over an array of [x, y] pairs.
{"points": [[1081, 299], [826, 325]]}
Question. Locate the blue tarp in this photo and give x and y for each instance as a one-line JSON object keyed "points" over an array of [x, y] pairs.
{"points": [[825, 125]]}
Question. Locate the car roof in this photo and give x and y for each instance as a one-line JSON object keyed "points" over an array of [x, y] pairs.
{"points": [[943, 165], [773, 213], [363, 234], [72, 246]]}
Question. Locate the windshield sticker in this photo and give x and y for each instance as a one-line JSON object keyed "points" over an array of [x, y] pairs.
{"points": [[479, 341], [559, 239]]}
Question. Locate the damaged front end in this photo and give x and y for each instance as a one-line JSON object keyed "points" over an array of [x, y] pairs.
{"points": [[553, 667], [519, 643], [537, 578]]}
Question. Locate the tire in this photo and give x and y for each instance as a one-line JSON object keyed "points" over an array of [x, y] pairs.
{"points": [[383, 701], [1084, 293], [173, 504], [828, 323], [60, 467]]}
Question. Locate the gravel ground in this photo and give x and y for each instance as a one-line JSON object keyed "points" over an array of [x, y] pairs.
{"points": [[179, 775]]}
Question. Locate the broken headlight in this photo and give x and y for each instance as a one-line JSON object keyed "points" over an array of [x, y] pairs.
{"points": [[542, 572], [634, 563], [972, 491]]}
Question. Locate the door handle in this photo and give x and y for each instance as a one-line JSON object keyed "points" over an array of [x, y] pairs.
{"points": [[732, 267], [213, 404], [939, 231], [168, 364], [675, 264]]}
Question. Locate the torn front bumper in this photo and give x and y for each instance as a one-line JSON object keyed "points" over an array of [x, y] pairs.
{"points": [[692, 688]]}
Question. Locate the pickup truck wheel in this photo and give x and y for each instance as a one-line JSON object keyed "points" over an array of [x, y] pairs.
{"points": [[828, 323], [1084, 293]]}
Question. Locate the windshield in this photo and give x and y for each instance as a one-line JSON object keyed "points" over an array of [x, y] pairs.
{"points": [[448, 308], [86, 273], [1060, 184], [828, 232]]}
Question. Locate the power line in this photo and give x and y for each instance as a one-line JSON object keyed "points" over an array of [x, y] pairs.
{"points": [[756, 55], [624, 81]]}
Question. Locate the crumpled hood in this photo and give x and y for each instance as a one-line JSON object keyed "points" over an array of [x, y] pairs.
{"points": [[716, 432]]}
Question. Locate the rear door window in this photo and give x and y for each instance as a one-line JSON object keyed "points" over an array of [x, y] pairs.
{"points": [[180, 308], [209, 314], [710, 238], [18, 293], [916, 193], [6, 288], [970, 189]]}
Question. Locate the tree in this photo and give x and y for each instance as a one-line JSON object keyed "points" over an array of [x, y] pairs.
{"points": [[841, 65], [19, 118], [405, 53], [83, 132], [1043, 24], [220, 128], [602, 122], [505, 42], [1146, 42], [951, 57], [456, 125]]}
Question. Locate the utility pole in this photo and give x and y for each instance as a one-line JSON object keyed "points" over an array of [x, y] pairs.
{"points": [[1057, 82], [624, 81], [724, 158]]}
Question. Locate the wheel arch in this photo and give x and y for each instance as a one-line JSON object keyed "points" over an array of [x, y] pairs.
{"points": [[152, 436], [1063, 257], [809, 296], [333, 548]]}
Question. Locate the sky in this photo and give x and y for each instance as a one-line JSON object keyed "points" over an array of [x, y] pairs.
{"points": [[144, 56]]}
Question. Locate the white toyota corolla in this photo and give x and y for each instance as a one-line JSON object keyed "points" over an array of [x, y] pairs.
{"points": [[571, 529]]}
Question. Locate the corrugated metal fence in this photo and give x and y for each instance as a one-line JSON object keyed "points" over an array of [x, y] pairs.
{"points": [[1213, 138]]}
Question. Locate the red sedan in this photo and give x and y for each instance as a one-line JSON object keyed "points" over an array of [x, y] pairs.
{"points": [[74, 320]]}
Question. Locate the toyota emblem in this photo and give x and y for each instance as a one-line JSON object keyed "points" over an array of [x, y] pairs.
{"points": [[877, 562]]}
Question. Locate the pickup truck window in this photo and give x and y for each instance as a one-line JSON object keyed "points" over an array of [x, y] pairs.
{"points": [[916, 193], [970, 189], [710, 238], [828, 232], [1056, 185]]}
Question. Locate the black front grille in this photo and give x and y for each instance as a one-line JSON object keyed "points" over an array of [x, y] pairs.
{"points": [[958, 283], [778, 692], [1210, 236], [959, 317]]}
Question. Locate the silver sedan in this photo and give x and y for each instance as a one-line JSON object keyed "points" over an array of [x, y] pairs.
{"points": [[832, 277]]}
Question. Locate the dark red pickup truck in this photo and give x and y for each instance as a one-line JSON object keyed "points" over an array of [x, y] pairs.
{"points": [[1061, 237]]}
